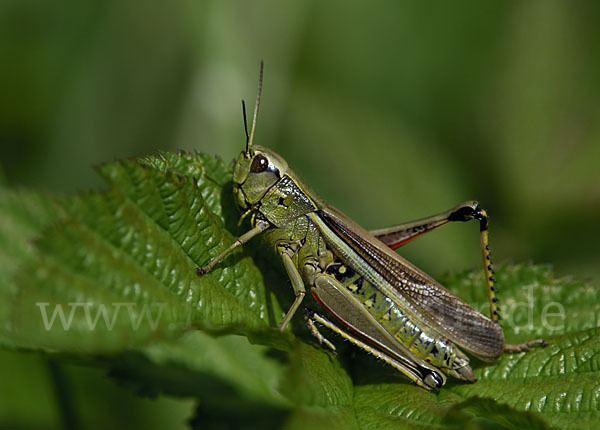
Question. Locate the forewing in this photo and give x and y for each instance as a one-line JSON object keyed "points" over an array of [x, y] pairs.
{"points": [[430, 301]]}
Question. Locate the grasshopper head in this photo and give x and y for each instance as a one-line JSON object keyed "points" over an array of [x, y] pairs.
{"points": [[256, 170]]}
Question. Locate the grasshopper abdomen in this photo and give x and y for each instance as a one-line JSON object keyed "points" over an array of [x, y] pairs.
{"points": [[423, 341]]}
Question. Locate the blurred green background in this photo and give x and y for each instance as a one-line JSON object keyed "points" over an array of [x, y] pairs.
{"points": [[390, 110]]}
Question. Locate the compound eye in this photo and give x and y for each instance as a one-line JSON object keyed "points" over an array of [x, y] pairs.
{"points": [[259, 164]]}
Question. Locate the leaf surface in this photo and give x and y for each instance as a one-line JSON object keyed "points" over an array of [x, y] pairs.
{"points": [[120, 265]]}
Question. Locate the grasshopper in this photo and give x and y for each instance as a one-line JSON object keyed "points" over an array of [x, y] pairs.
{"points": [[384, 304]]}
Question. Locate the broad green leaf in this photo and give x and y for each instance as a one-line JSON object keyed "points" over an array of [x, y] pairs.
{"points": [[23, 215], [322, 390], [122, 263], [120, 266], [207, 368]]}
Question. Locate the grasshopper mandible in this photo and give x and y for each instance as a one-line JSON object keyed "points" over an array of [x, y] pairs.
{"points": [[385, 305]]}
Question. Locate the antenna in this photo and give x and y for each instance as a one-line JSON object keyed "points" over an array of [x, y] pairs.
{"points": [[246, 126], [260, 78]]}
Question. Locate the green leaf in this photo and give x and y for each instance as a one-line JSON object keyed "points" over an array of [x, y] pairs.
{"points": [[207, 368], [120, 264], [123, 263], [23, 215], [488, 413]]}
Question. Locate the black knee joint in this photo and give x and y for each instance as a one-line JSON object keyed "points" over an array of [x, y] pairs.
{"points": [[464, 213]]}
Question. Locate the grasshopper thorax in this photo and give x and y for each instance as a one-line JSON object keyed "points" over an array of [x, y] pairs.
{"points": [[255, 172]]}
